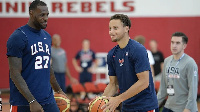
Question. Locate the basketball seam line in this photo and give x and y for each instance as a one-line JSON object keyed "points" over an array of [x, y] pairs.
{"points": [[64, 100], [99, 105]]}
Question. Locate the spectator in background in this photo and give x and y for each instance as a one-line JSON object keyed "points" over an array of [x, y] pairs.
{"points": [[59, 63], [86, 57], [159, 59], [179, 80], [141, 40]]}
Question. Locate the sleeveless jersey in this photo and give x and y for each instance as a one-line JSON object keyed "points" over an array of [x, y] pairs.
{"points": [[34, 47]]}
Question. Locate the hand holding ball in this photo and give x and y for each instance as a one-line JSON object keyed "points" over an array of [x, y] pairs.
{"points": [[63, 102]]}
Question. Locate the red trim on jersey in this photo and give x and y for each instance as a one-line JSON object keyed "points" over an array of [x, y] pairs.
{"points": [[151, 111], [14, 108]]}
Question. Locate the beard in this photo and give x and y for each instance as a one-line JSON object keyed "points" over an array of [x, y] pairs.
{"points": [[114, 40], [38, 25], [118, 38], [43, 27]]}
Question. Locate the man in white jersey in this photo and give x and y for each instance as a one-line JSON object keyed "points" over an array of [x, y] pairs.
{"points": [[179, 78]]}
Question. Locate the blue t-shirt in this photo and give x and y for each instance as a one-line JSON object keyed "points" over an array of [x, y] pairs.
{"points": [[125, 64], [86, 58], [34, 48]]}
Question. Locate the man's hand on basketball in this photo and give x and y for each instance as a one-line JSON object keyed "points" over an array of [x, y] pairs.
{"points": [[111, 105], [36, 107], [61, 92]]}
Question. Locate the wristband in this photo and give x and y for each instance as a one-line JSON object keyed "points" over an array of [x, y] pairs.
{"points": [[32, 101]]}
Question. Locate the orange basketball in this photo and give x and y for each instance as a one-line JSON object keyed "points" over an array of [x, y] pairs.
{"points": [[63, 102], [96, 105]]}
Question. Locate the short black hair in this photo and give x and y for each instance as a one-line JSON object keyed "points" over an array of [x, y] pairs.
{"points": [[36, 3], [180, 34], [123, 18]]}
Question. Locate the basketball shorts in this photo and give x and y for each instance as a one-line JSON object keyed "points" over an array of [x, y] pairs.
{"points": [[85, 77], [46, 107]]}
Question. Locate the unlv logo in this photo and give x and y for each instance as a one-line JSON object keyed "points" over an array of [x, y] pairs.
{"points": [[121, 62]]}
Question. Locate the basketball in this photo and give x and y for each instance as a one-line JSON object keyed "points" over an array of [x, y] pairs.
{"points": [[63, 102], [96, 104]]}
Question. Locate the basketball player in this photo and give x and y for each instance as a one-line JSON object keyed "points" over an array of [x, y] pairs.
{"points": [[129, 70], [141, 40], [29, 53], [179, 80], [159, 59]]}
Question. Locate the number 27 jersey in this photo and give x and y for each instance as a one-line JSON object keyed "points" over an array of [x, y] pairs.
{"points": [[34, 48]]}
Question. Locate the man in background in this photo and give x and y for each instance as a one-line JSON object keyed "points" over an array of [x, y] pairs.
{"points": [[87, 65], [179, 80], [159, 59], [141, 40], [59, 63]]}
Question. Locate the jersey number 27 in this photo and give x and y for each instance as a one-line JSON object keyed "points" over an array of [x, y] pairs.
{"points": [[39, 60]]}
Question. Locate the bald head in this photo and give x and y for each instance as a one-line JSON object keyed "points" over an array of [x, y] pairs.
{"points": [[56, 40], [153, 45], [86, 44]]}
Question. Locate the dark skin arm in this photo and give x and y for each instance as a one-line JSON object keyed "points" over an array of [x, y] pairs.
{"points": [[54, 83], [15, 67]]}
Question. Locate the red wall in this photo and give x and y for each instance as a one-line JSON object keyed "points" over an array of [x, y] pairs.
{"points": [[74, 30]]}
